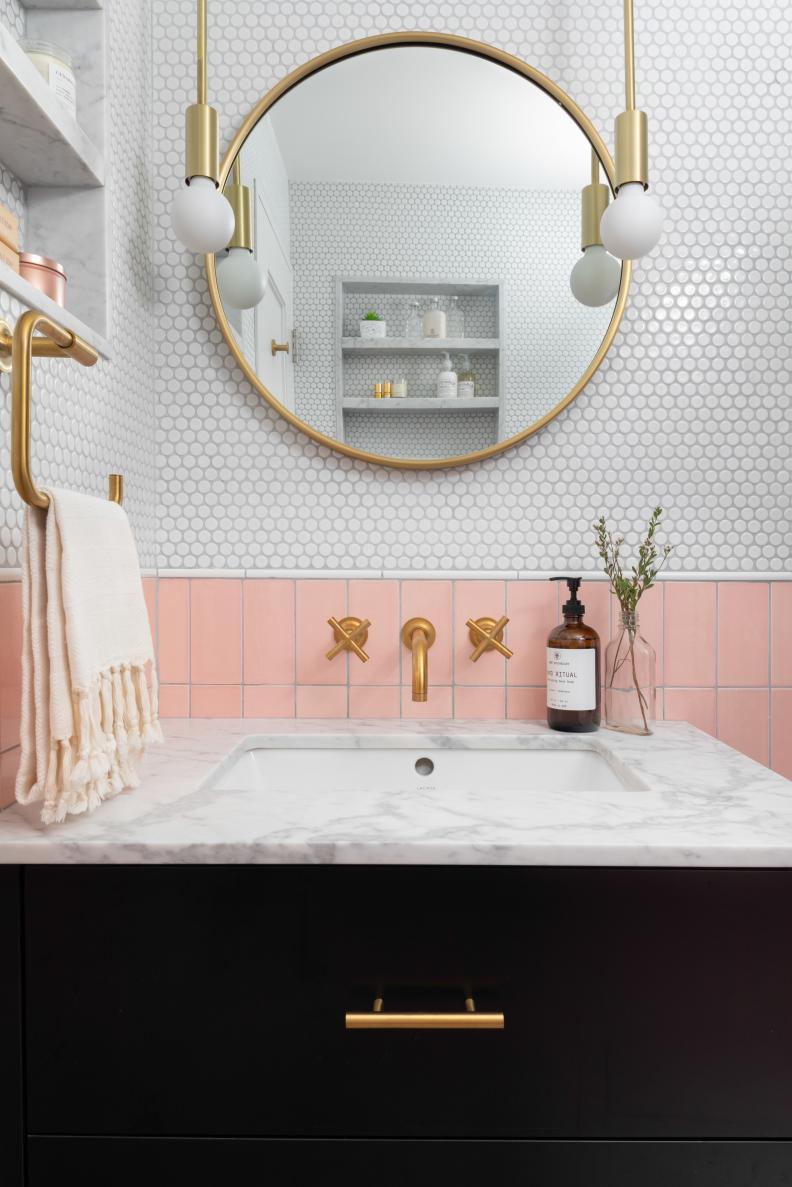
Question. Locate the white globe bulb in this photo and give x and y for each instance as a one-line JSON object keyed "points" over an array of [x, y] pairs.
{"points": [[631, 224], [595, 277], [202, 217], [240, 279]]}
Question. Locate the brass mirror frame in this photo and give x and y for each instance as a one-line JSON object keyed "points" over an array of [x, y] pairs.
{"points": [[478, 49]]}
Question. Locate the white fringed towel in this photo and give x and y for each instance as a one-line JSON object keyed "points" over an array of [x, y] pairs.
{"points": [[87, 710]]}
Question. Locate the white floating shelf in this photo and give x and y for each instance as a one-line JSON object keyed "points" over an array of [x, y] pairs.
{"points": [[420, 345], [40, 141], [32, 298], [64, 5], [413, 404]]}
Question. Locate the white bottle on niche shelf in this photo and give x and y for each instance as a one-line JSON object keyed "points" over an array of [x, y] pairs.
{"points": [[447, 380]]}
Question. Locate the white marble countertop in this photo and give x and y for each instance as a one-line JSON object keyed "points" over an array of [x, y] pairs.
{"points": [[702, 804]]}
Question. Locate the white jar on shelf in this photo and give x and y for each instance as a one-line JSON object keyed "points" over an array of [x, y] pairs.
{"points": [[54, 64], [434, 320]]}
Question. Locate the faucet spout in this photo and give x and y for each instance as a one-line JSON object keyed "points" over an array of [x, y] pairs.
{"points": [[418, 635]]}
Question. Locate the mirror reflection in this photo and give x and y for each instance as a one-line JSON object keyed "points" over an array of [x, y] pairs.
{"points": [[416, 220]]}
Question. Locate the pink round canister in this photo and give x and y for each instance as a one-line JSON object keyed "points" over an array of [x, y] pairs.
{"points": [[46, 275]]}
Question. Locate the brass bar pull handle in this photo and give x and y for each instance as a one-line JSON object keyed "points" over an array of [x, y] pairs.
{"points": [[471, 1019], [350, 635], [487, 635], [277, 346]]}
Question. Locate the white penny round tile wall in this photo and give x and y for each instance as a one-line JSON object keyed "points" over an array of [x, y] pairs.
{"points": [[691, 408]]}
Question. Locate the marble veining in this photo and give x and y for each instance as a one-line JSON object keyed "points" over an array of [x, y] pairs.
{"points": [[703, 804]]}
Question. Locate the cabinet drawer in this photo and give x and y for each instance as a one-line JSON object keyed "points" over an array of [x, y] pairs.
{"points": [[95, 1162], [212, 1000]]}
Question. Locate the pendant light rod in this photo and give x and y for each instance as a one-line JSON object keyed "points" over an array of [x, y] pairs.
{"points": [[201, 51], [629, 56], [595, 173], [237, 171]]}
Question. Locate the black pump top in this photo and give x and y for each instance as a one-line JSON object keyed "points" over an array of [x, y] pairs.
{"points": [[573, 608]]}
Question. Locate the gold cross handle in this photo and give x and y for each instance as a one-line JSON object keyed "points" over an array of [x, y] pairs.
{"points": [[487, 635], [350, 635]]}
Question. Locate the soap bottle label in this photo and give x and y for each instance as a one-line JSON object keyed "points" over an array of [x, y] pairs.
{"points": [[571, 678]]}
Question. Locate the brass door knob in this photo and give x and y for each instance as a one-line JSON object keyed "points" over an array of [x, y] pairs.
{"points": [[487, 635], [350, 635], [276, 346]]}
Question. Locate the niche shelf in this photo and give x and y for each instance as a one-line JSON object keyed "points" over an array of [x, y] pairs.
{"points": [[418, 404], [420, 345], [362, 362], [40, 142], [60, 161]]}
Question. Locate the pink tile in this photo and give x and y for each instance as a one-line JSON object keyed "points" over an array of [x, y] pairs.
{"points": [[743, 623], [221, 700], [174, 630], [269, 700], [440, 704], [781, 633], [650, 623], [526, 704], [174, 700], [696, 705], [482, 703], [215, 633], [316, 602], [478, 599], [532, 607], [379, 602], [150, 595], [690, 612], [744, 719], [10, 662], [781, 710], [268, 610], [375, 702], [9, 761], [322, 702], [432, 600]]}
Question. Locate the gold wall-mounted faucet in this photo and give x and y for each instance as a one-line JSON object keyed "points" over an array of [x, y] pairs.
{"points": [[418, 635], [487, 635], [350, 634]]}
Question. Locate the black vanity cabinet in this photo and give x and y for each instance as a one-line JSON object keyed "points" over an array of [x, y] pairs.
{"points": [[189, 1020]]}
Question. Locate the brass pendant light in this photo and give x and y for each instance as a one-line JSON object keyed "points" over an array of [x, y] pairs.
{"points": [[240, 279], [632, 224], [201, 216], [596, 276]]}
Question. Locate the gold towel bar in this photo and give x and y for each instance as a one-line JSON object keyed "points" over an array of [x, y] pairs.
{"points": [[16, 355]]}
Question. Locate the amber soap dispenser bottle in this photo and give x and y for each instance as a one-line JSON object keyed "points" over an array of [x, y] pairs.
{"points": [[573, 669]]}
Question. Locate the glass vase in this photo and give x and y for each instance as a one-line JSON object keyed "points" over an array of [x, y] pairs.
{"points": [[630, 690]]}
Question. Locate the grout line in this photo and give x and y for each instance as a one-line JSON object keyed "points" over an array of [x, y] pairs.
{"points": [[769, 676], [717, 659]]}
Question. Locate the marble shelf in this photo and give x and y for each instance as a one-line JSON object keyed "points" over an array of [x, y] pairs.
{"points": [[64, 5], [420, 345], [33, 298], [40, 142], [419, 404]]}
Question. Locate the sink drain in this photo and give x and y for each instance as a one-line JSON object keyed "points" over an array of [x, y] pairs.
{"points": [[424, 766]]}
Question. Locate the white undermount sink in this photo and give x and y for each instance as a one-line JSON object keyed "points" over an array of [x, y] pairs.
{"points": [[307, 765]]}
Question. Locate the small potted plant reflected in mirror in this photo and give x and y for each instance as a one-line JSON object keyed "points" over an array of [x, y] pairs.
{"points": [[373, 325]]}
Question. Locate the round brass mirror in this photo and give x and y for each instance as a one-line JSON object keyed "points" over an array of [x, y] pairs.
{"points": [[413, 206]]}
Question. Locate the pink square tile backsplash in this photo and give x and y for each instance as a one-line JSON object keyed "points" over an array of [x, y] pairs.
{"points": [[229, 648]]}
